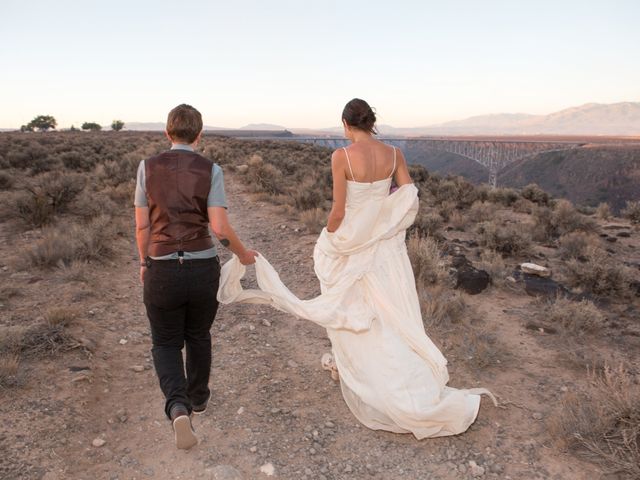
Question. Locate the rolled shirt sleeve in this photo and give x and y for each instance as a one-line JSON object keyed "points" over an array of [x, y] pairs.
{"points": [[140, 198], [217, 197]]}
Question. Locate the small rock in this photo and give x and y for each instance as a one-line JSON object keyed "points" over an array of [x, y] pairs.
{"points": [[476, 470], [123, 341], [252, 328], [224, 472], [98, 442], [240, 411], [348, 469], [253, 449], [292, 364], [137, 368], [537, 416], [242, 168], [148, 472], [267, 469], [266, 322]]}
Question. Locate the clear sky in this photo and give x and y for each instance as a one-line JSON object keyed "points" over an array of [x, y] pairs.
{"points": [[296, 63]]}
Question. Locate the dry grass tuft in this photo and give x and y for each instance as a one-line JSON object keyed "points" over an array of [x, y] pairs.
{"points": [[314, 219], [428, 224], [603, 211], [426, 259], [440, 306], [61, 317], [481, 348], [602, 423], [493, 263], [632, 212], [9, 367]]}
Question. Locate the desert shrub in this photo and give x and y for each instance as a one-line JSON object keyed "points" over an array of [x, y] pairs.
{"points": [[314, 219], [522, 205], [446, 209], [428, 223], [117, 172], [599, 273], [6, 180], [563, 219], [603, 211], [576, 244], [544, 227], [308, 198], [455, 190], [602, 423], [503, 196], [264, 177], [426, 259], [507, 239], [632, 212], [46, 195], [567, 219], [572, 317], [535, 194], [63, 244], [79, 160], [458, 220], [440, 306], [89, 204], [481, 211]]}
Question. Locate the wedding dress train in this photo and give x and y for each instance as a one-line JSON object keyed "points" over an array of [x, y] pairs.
{"points": [[392, 375]]}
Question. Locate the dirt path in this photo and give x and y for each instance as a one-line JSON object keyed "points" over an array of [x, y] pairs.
{"points": [[272, 403]]}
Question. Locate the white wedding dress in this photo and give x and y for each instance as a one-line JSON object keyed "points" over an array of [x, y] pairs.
{"points": [[392, 375]]}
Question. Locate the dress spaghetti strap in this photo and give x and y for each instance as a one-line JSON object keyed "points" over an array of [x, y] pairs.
{"points": [[349, 163], [393, 170]]}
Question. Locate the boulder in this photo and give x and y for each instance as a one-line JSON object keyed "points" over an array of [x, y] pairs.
{"points": [[535, 269], [468, 278]]}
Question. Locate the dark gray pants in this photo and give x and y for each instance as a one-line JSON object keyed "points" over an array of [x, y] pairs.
{"points": [[181, 305]]}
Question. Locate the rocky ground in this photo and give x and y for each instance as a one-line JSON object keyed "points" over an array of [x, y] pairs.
{"points": [[96, 411]]}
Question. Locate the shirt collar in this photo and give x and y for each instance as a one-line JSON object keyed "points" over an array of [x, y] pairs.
{"points": [[182, 146]]}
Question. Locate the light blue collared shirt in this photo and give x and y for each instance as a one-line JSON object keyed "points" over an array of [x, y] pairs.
{"points": [[216, 198]]}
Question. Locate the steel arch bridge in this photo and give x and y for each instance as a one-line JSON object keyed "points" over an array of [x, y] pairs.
{"points": [[492, 154]]}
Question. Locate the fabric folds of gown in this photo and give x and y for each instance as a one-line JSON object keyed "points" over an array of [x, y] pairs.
{"points": [[392, 375]]}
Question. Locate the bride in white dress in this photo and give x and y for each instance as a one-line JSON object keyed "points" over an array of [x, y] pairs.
{"points": [[392, 375]]}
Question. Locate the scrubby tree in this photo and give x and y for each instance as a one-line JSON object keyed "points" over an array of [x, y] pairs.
{"points": [[92, 126], [41, 122], [117, 125]]}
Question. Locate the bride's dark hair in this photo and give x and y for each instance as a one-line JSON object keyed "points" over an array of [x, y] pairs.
{"points": [[357, 113]]}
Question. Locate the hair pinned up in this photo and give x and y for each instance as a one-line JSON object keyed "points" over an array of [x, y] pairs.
{"points": [[358, 114]]}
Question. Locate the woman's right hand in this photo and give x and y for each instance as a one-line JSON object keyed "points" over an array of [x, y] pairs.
{"points": [[249, 257]]}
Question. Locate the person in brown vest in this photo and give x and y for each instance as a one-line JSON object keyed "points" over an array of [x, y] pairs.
{"points": [[179, 195]]}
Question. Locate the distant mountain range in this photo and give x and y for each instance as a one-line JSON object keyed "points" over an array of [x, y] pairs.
{"points": [[590, 119]]}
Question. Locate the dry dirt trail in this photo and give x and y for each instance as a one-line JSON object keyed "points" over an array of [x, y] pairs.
{"points": [[272, 402]]}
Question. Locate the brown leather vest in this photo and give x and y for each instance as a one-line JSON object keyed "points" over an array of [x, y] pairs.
{"points": [[178, 184]]}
